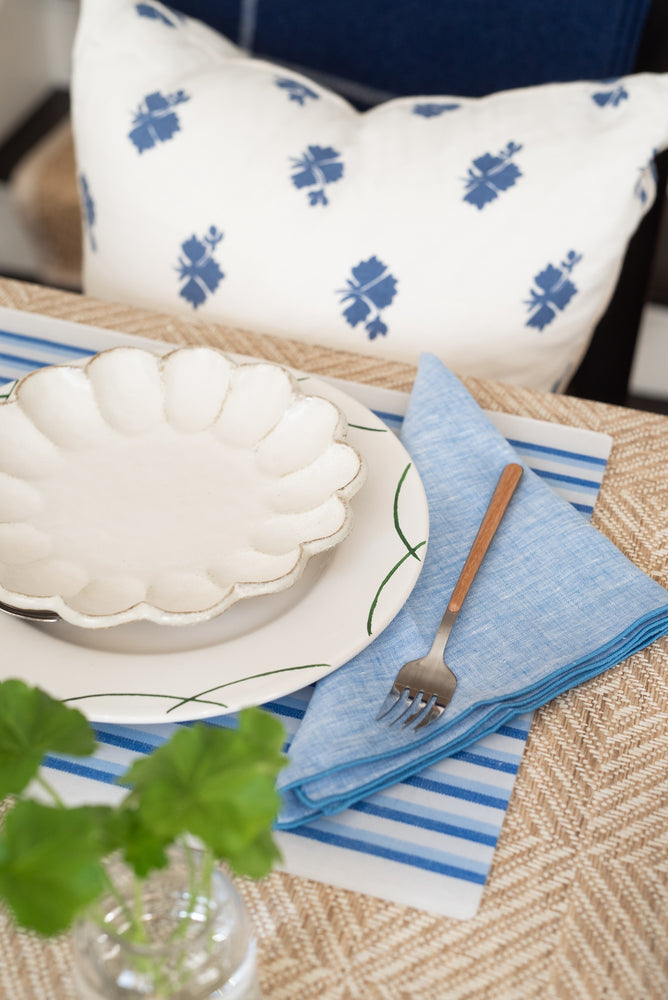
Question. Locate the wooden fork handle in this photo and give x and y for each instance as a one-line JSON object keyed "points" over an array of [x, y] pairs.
{"points": [[505, 488]]}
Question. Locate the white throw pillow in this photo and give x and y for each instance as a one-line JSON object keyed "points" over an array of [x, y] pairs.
{"points": [[489, 231]]}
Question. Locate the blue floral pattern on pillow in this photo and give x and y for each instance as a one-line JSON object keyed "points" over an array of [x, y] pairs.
{"points": [[148, 10], [371, 290], [296, 90], [645, 186], [155, 120], [554, 290], [88, 206], [315, 168], [490, 175], [198, 269], [434, 109], [612, 97]]}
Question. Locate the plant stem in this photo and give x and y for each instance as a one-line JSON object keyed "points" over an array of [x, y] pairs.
{"points": [[208, 865], [119, 897], [138, 929], [196, 887], [50, 790]]}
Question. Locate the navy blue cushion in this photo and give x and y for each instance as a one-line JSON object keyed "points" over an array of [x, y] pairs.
{"points": [[464, 47]]}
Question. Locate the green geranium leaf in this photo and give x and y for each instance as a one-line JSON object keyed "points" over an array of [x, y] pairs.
{"points": [[257, 858], [31, 725], [50, 863], [217, 784], [264, 731], [143, 850]]}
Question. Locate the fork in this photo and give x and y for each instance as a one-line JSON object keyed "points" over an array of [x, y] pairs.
{"points": [[423, 688]]}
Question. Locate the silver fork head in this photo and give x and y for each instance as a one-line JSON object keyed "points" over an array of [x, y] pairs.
{"points": [[410, 707], [29, 614], [421, 691]]}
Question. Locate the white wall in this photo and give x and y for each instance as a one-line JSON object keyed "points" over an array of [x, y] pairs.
{"points": [[35, 45]]}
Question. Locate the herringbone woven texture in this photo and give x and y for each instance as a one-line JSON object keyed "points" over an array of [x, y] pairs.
{"points": [[576, 905]]}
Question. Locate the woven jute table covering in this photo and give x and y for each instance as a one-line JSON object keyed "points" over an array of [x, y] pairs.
{"points": [[576, 904]]}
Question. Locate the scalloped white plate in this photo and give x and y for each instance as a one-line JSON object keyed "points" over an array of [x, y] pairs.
{"points": [[260, 649], [139, 487]]}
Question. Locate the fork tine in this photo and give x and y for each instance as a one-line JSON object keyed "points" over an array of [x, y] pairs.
{"points": [[425, 704], [394, 698], [433, 714], [408, 700], [416, 707]]}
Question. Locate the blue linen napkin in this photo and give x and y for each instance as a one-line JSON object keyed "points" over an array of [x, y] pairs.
{"points": [[554, 604]]}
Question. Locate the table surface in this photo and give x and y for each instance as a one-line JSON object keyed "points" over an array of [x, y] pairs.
{"points": [[576, 904]]}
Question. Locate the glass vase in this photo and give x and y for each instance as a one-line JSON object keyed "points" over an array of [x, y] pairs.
{"points": [[182, 933]]}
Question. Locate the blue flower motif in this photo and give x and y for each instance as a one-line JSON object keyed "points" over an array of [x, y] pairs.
{"points": [[148, 10], [612, 97], [433, 110], [296, 90], [371, 291], [554, 291], [155, 121], [316, 168], [88, 206], [490, 175], [645, 186], [198, 269]]}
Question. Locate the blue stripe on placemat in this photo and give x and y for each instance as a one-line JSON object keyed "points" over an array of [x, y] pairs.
{"points": [[379, 845], [497, 762], [566, 480], [43, 346], [23, 354], [13, 368], [514, 732], [285, 711], [558, 453], [135, 741], [95, 769], [394, 419], [471, 791], [413, 814]]}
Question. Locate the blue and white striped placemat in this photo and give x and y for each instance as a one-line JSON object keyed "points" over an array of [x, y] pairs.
{"points": [[427, 842]]}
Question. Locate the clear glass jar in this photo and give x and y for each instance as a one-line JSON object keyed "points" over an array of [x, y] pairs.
{"points": [[184, 936]]}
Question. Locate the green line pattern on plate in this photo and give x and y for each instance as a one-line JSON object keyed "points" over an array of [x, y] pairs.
{"points": [[411, 550], [198, 698]]}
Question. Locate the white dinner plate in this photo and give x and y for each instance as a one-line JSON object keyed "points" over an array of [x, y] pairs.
{"points": [[264, 647]]}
